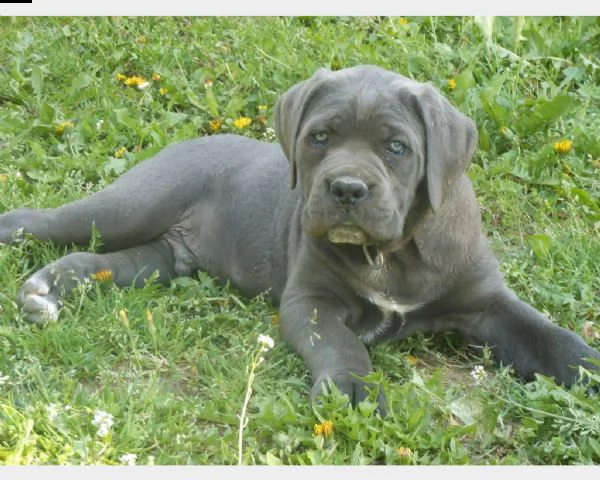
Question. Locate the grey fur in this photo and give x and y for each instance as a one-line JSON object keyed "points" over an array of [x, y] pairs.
{"points": [[223, 204]]}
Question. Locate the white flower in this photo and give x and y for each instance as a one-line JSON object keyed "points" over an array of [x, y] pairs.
{"points": [[478, 374], [128, 459], [3, 379], [51, 411], [143, 85], [270, 134], [103, 421], [265, 342], [99, 124]]}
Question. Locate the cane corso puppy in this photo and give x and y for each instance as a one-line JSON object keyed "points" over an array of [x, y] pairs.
{"points": [[378, 237]]}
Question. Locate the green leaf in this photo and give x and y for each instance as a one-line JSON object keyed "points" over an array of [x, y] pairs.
{"points": [[37, 80], [123, 117], [544, 112], [273, 460], [47, 113], [37, 149], [466, 409], [81, 81], [44, 176], [116, 165], [540, 244], [464, 83], [195, 100], [493, 108], [213, 106], [358, 456], [170, 119], [583, 197]]}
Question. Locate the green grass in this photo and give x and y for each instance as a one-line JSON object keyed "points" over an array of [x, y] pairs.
{"points": [[175, 384]]}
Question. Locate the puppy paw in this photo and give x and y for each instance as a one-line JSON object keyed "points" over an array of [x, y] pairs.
{"points": [[38, 299], [348, 384]]}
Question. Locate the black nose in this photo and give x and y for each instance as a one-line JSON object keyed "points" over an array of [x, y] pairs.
{"points": [[349, 190]]}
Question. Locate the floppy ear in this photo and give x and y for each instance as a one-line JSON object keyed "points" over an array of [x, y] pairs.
{"points": [[451, 138], [289, 113]]}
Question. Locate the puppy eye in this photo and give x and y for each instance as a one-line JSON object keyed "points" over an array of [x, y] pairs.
{"points": [[396, 147], [320, 138]]}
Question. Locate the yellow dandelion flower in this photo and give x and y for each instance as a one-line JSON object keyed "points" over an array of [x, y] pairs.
{"points": [[325, 428], [61, 127], [156, 77], [451, 84], [242, 122], [121, 77], [215, 125], [150, 320], [402, 21], [136, 81], [404, 452], [123, 317], [564, 146], [412, 360], [102, 275], [163, 91], [120, 152]]}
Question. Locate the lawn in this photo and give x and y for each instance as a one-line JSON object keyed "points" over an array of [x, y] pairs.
{"points": [[160, 375]]}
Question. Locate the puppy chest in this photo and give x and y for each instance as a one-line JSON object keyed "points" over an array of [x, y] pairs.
{"points": [[389, 321]]}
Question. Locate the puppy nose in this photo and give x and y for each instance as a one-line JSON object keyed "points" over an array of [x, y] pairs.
{"points": [[349, 190]]}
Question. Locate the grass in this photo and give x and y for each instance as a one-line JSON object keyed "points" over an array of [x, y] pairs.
{"points": [[171, 365]]}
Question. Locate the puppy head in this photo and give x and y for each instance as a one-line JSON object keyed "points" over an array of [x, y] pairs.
{"points": [[340, 125]]}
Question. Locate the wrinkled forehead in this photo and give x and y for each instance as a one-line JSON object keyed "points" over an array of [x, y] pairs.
{"points": [[365, 96]]}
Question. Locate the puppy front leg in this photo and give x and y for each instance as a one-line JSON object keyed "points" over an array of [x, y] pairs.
{"points": [[314, 325]]}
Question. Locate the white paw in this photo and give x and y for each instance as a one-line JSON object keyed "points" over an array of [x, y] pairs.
{"points": [[38, 301]]}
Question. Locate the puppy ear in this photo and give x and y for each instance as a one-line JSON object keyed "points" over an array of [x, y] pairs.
{"points": [[289, 114], [451, 138]]}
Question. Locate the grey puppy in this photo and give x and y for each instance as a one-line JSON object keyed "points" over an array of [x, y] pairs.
{"points": [[378, 238]]}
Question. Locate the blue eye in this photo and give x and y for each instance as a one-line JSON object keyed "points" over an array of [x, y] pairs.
{"points": [[396, 147], [320, 138]]}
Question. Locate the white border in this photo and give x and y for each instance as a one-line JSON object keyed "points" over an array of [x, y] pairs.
{"points": [[315, 472], [301, 7]]}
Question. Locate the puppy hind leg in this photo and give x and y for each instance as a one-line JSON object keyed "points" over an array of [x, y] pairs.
{"points": [[521, 336], [136, 208], [41, 296]]}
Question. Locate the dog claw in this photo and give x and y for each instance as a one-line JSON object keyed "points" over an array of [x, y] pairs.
{"points": [[356, 390], [37, 304], [35, 286]]}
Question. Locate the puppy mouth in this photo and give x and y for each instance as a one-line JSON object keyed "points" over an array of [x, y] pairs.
{"points": [[353, 235], [349, 234]]}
